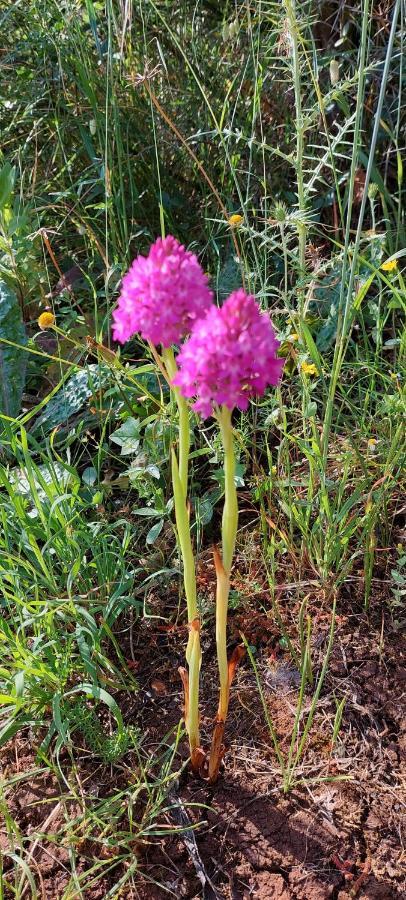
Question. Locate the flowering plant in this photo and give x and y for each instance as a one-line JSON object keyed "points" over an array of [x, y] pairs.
{"points": [[162, 295], [229, 357]]}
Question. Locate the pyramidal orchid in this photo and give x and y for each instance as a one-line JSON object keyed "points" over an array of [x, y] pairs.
{"points": [[229, 358], [162, 296]]}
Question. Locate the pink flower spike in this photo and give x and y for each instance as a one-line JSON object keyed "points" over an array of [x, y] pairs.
{"points": [[162, 295], [230, 356]]}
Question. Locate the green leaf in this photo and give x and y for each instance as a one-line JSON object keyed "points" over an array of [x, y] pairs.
{"points": [[146, 511], [154, 532], [72, 396], [311, 410], [13, 726], [26, 874], [7, 179], [203, 510], [137, 472], [12, 356], [218, 474], [98, 693], [89, 476], [229, 278], [128, 436], [311, 347], [83, 635], [55, 477]]}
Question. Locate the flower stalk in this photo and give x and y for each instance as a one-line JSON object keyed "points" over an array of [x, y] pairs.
{"points": [[180, 473], [223, 570]]}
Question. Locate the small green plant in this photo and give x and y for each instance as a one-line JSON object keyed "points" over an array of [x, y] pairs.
{"points": [[303, 720], [398, 586], [80, 717]]}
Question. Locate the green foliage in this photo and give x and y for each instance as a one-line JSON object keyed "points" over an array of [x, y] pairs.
{"points": [[71, 397], [327, 292], [12, 354], [7, 179], [398, 587], [110, 748], [18, 242], [128, 436]]}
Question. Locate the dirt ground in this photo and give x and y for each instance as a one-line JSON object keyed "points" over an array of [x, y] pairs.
{"points": [[337, 834]]}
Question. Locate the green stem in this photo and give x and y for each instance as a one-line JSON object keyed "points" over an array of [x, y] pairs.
{"points": [[184, 442], [223, 570], [230, 510], [228, 537], [222, 594], [184, 421], [301, 197], [285, 261], [180, 472], [185, 542]]}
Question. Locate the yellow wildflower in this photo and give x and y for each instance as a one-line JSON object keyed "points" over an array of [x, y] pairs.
{"points": [[235, 220], [294, 337], [372, 442], [45, 320], [389, 265], [309, 368]]}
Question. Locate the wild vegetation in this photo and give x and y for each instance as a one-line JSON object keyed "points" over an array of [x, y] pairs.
{"points": [[268, 138]]}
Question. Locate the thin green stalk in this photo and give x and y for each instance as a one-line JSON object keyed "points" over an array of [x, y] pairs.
{"points": [[265, 708], [184, 443], [185, 542], [305, 649], [285, 261], [222, 594], [344, 316], [180, 472], [299, 163], [223, 569], [319, 686], [193, 651], [230, 511]]}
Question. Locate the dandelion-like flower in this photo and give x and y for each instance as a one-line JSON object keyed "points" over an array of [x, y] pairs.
{"points": [[390, 265], [230, 356], [235, 220], [162, 295], [45, 320], [309, 368]]}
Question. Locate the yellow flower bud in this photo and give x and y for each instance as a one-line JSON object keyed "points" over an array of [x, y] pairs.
{"points": [[309, 368], [45, 320], [389, 265], [235, 220]]}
